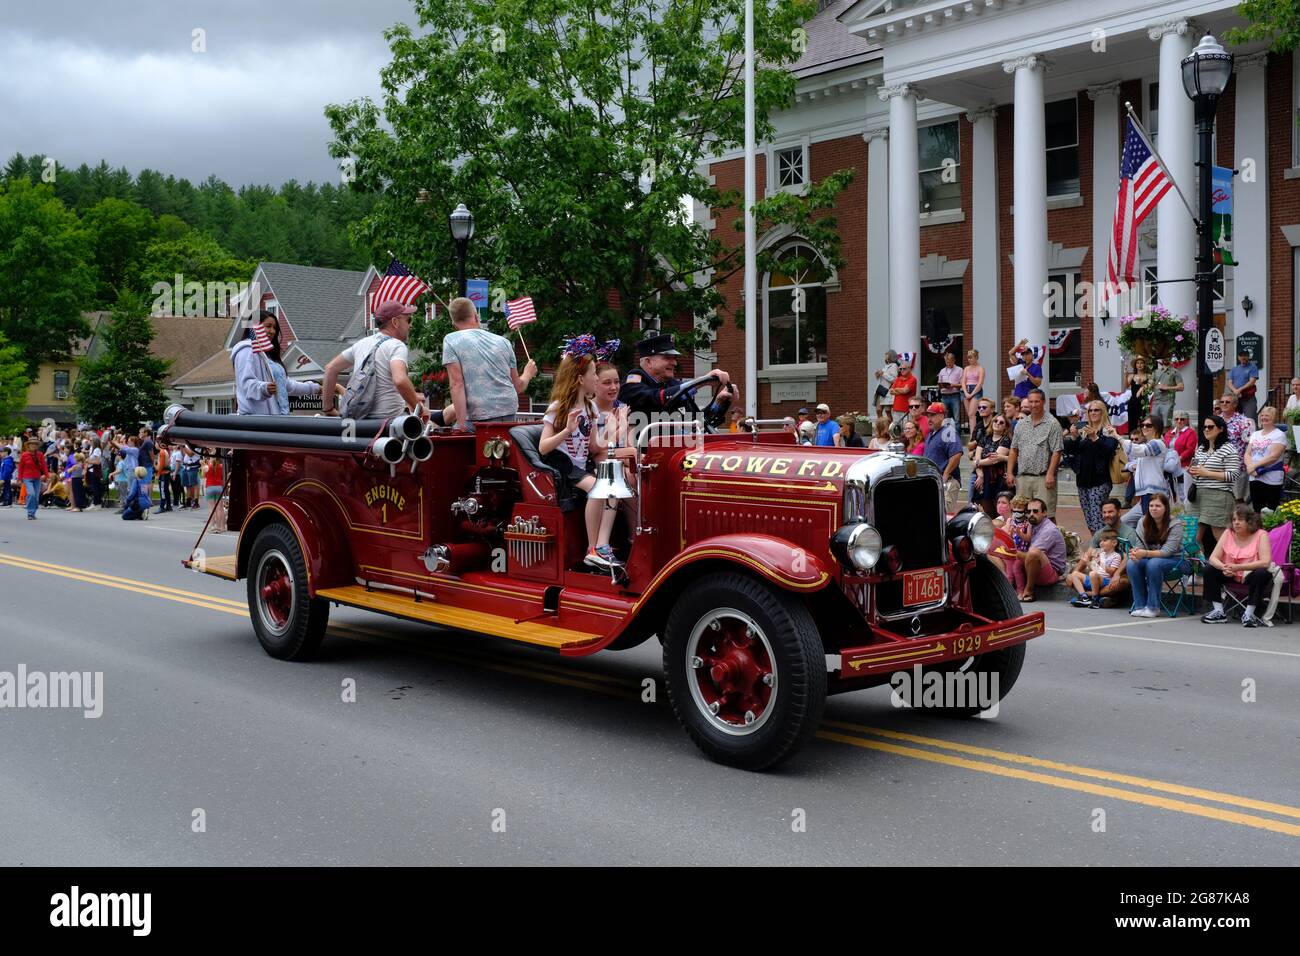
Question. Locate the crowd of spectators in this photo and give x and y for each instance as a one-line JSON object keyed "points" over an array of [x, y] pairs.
{"points": [[87, 469]]}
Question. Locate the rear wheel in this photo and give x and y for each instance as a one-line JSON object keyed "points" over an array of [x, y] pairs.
{"points": [[289, 623], [745, 670]]}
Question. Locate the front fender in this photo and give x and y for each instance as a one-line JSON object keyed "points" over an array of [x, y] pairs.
{"points": [[784, 564], [329, 560], [787, 566]]}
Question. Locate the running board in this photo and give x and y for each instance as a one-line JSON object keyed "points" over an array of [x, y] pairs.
{"points": [[431, 612], [222, 567]]}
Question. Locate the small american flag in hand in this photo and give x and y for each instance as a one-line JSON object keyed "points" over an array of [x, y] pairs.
{"points": [[261, 341], [520, 312]]}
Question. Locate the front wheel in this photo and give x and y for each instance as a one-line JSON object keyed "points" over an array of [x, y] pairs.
{"points": [[745, 670], [288, 621]]}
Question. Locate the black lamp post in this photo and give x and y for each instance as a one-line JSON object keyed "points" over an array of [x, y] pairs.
{"points": [[462, 231], [1206, 72]]}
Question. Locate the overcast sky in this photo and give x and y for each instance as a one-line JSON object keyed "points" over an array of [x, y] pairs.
{"points": [[84, 80]]}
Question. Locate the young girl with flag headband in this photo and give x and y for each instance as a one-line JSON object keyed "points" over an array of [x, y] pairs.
{"points": [[569, 426]]}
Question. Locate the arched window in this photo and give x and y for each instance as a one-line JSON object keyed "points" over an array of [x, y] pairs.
{"points": [[795, 308]]}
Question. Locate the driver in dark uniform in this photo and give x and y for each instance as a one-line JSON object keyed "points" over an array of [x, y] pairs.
{"points": [[651, 387]]}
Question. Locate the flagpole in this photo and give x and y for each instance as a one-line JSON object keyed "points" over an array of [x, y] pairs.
{"points": [[520, 330], [1146, 138], [751, 255]]}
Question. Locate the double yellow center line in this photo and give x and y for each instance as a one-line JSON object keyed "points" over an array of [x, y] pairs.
{"points": [[1100, 783]]}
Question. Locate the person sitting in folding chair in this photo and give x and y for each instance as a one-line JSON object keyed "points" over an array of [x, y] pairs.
{"points": [[1243, 554], [1157, 551]]}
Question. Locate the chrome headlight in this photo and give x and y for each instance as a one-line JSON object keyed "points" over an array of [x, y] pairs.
{"points": [[858, 545], [974, 524], [981, 533]]}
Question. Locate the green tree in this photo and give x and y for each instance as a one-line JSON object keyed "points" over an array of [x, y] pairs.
{"points": [[1275, 21], [46, 279], [126, 384], [119, 231], [574, 129], [195, 257], [14, 382]]}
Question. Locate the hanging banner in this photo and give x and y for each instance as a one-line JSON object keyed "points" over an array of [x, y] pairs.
{"points": [[1221, 216], [476, 290]]}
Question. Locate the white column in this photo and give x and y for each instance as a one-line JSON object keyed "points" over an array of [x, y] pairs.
{"points": [[1029, 169], [1175, 231], [878, 340], [1107, 361], [1250, 221], [904, 219], [986, 267]]}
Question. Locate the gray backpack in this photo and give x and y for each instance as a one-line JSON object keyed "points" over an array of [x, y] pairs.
{"points": [[359, 400]]}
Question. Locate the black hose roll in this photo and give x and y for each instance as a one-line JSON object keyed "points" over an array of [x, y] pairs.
{"points": [[328, 426], [231, 438]]}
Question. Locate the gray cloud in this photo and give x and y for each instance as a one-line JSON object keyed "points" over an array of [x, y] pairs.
{"points": [[121, 81]]}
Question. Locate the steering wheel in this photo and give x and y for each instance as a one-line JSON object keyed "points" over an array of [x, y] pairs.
{"points": [[682, 388]]}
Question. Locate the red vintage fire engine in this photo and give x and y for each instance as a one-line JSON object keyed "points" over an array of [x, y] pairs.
{"points": [[773, 574]]}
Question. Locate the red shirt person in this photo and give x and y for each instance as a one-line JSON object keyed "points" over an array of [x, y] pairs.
{"points": [[903, 389]]}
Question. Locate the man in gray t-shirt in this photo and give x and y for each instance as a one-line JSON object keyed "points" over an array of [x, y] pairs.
{"points": [[485, 383]]}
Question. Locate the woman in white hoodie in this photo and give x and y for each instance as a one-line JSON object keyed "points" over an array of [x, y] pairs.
{"points": [[262, 386], [1147, 453]]}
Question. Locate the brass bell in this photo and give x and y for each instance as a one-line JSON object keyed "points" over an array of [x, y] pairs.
{"points": [[610, 482]]}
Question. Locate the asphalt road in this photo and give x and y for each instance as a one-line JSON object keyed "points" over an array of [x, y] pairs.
{"points": [[451, 732]]}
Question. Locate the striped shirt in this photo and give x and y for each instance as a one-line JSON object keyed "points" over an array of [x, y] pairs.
{"points": [[1225, 458]]}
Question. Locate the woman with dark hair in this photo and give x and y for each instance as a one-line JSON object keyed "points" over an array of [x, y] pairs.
{"points": [[262, 385], [1139, 385], [1156, 549], [1214, 470], [991, 466], [1243, 555]]}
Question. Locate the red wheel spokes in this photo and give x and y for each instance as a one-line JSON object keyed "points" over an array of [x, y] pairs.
{"points": [[734, 674], [277, 594]]}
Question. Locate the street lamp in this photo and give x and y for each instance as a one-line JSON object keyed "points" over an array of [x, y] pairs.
{"points": [[1206, 72], [462, 231]]}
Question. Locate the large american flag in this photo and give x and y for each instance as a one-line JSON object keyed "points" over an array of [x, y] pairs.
{"points": [[1142, 184], [520, 312], [398, 285]]}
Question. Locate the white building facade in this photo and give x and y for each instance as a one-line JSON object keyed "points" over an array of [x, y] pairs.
{"points": [[986, 136]]}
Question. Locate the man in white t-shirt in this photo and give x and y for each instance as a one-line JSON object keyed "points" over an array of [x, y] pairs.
{"points": [[481, 370], [394, 393]]}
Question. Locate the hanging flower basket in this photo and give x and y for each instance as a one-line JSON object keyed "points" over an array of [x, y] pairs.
{"points": [[1157, 333]]}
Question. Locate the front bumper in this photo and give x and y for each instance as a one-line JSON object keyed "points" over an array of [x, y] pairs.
{"points": [[964, 635]]}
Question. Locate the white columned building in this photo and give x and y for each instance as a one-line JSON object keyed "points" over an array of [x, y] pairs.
{"points": [[1030, 188], [1175, 229], [878, 245], [985, 263], [1251, 218], [904, 222], [1107, 360]]}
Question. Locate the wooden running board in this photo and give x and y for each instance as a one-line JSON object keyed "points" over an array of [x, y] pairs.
{"points": [[222, 567], [431, 612]]}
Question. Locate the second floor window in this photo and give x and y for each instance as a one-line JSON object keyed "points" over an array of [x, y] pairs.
{"points": [[939, 154], [1063, 148], [61, 379], [789, 167]]}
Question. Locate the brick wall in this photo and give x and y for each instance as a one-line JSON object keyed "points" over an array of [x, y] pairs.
{"points": [[845, 385]]}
